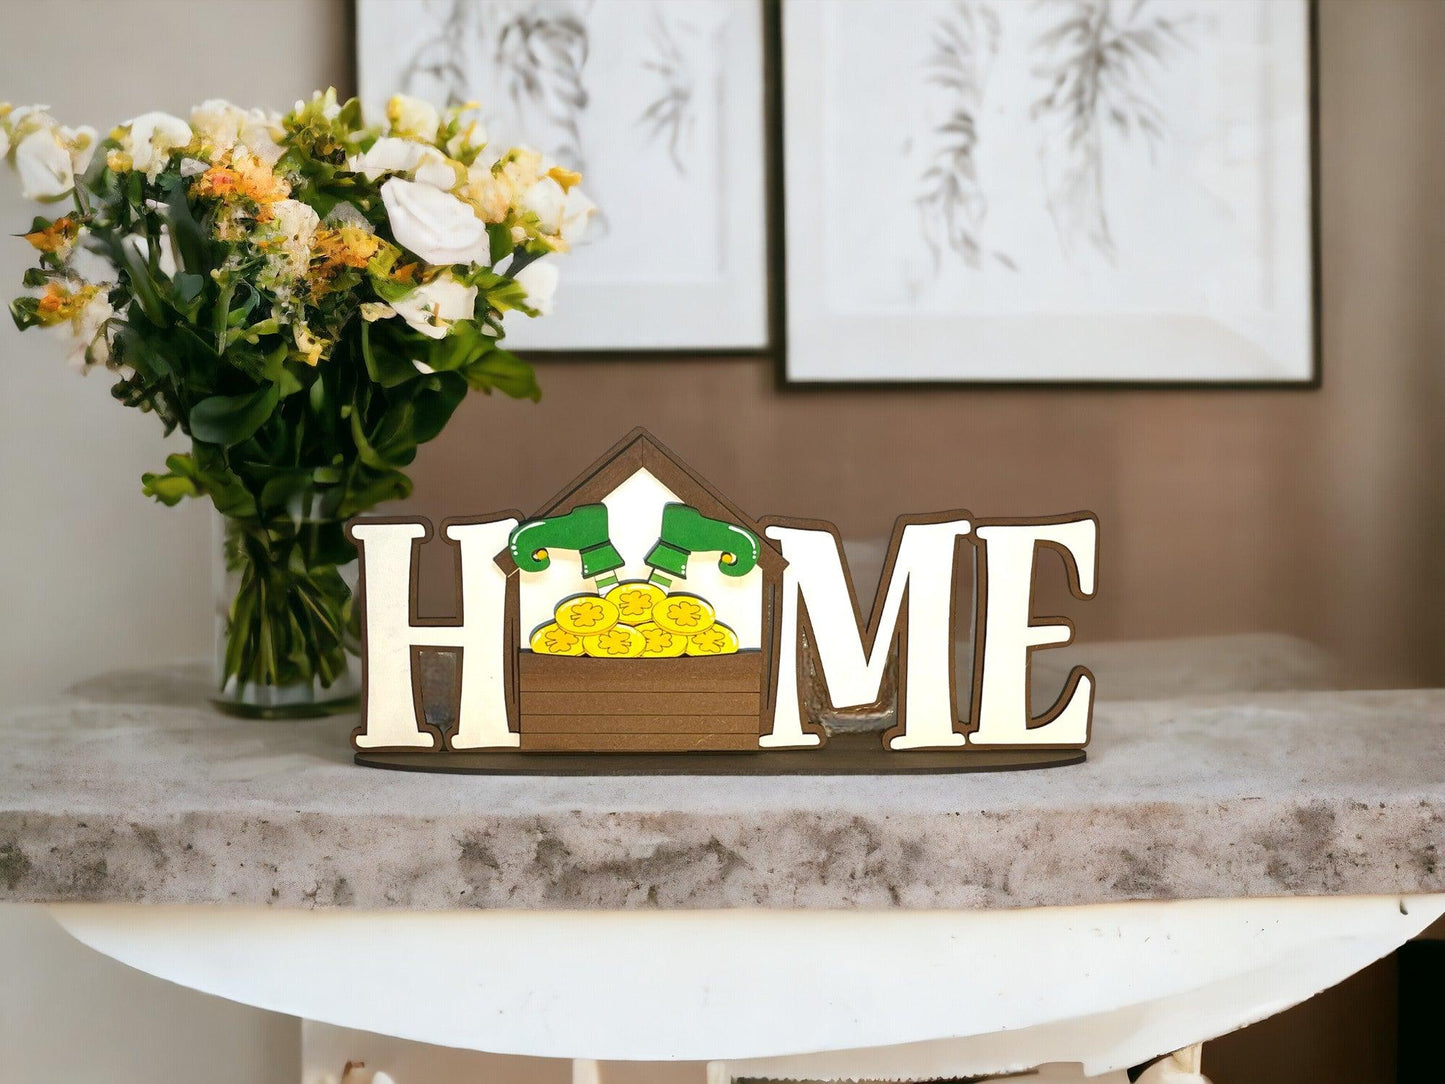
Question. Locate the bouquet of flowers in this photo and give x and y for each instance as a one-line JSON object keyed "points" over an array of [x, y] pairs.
{"points": [[308, 298]]}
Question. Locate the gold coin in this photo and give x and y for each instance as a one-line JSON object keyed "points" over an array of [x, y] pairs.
{"points": [[684, 614], [586, 615], [634, 600], [660, 644], [714, 640], [551, 640], [618, 642]]}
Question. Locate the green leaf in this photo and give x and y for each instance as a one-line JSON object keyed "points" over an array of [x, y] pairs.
{"points": [[368, 492], [142, 285], [504, 371], [139, 352], [191, 241], [176, 485], [391, 444], [387, 366], [276, 493], [364, 450], [388, 291], [25, 311], [435, 404], [186, 294], [499, 239], [238, 634], [506, 294], [229, 419]]}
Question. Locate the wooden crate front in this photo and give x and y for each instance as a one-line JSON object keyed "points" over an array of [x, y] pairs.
{"points": [[573, 704]]}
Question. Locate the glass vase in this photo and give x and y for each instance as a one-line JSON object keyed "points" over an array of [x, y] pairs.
{"points": [[286, 635]]}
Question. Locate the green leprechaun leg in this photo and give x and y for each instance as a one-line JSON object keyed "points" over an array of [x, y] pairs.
{"points": [[686, 531], [582, 530]]}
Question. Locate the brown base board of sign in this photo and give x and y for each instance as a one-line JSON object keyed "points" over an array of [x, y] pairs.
{"points": [[844, 754]]}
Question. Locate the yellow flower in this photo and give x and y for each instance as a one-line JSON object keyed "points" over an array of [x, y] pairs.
{"points": [[246, 177], [489, 193], [58, 237], [521, 166], [218, 182], [332, 251], [350, 246], [308, 344], [57, 304], [565, 177]]}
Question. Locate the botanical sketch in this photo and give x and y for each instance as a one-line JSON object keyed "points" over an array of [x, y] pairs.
{"points": [[535, 51], [1098, 58], [628, 92], [1093, 62], [952, 204], [971, 183], [669, 116]]}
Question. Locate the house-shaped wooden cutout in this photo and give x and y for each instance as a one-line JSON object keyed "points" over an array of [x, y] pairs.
{"points": [[578, 703]]}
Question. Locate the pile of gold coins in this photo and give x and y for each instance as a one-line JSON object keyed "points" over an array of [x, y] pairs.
{"points": [[634, 620]]}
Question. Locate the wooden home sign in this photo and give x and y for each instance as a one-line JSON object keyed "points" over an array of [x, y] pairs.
{"points": [[641, 615]]}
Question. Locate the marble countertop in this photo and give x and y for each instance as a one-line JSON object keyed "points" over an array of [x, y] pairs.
{"points": [[132, 790]]}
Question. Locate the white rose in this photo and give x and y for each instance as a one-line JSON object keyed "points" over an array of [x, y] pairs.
{"points": [[387, 155], [576, 215], [540, 281], [151, 139], [48, 155], [219, 124], [20, 112], [46, 172], [413, 118], [439, 171], [4, 142], [420, 162], [547, 200], [262, 144], [223, 126], [432, 307], [294, 223], [81, 143], [435, 225]]}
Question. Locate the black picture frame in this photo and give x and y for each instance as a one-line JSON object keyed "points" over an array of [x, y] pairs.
{"points": [[771, 226], [784, 382]]}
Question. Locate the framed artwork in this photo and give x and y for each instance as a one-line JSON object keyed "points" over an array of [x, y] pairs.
{"points": [[659, 104], [1075, 191]]}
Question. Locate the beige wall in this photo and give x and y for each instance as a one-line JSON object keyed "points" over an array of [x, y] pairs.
{"points": [[1311, 512]]}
